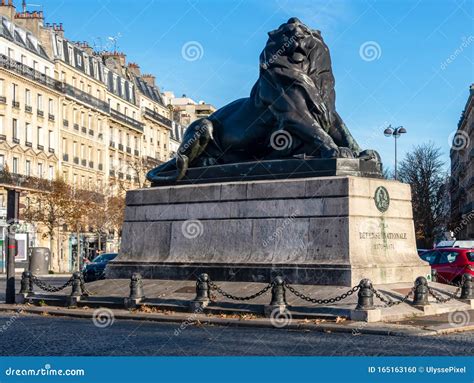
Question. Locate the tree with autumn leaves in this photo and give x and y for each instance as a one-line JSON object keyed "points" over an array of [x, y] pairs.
{"points": [[59, 207]]}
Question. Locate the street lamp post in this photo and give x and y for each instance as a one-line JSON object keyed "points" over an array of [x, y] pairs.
{"points": [[395, 133]]}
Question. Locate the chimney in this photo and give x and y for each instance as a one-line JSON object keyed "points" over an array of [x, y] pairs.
{"points": [[30, 20], [149, 79], [115, 61], [7, 9], [134, 69]]}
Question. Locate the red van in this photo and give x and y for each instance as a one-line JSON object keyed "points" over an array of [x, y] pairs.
{"points": [[450, 262]]}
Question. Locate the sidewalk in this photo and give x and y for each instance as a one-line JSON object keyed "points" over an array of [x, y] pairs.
{"points": [[426, 326], [169, 300]]}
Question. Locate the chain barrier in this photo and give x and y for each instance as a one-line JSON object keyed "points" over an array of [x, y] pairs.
{"points": [[50, 288], [389, 302], [85, 292], [447, 282], [440, 299], [214, 287], [322, 301]]}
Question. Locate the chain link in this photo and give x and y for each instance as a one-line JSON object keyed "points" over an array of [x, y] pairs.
{"points": [[440, 299], [237, 298], [50, 288], [321, 301], [389, 302]]}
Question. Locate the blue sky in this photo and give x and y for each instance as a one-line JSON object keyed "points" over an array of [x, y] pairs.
{"points": [[419, 76]]}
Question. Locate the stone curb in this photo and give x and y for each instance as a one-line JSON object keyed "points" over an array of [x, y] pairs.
{"points": [[355, 329]]}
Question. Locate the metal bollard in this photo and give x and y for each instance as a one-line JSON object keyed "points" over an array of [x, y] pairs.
{"points": [[434, 275], [366, 295], [278, 292], [421, 292], [467, 291], [202, 293], [25, 283], [76, 285], [136, 286]]}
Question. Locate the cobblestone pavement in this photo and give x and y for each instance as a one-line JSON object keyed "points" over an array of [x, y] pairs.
{"points": [[45, 335]]}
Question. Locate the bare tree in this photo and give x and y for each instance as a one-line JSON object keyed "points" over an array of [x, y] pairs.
{"points": [[424, 170]]}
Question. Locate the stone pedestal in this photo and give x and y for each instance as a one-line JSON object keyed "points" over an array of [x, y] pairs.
{"points": [[327, 230]]}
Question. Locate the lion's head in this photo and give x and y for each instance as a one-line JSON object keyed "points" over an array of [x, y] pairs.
{"points": [[290, 44]]}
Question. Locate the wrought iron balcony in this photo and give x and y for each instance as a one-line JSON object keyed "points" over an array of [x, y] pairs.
{"points": [[16, 104], [51, 150], [39, 112], [83, 129], [158, 117], [123, 118], [65, 123], [129, 149], [29, 144], [76, 160], [16, 140], [100, 167], [51, 117], [91, 132], [136, 152], [66, 157], [91, 164], [40, 147], [84, 162], [28, 109], [3, 100], [120, 147], [76, 126]]}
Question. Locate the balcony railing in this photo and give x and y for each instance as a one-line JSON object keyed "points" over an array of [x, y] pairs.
{"points": [[16, 140], [85, 97], [83, 129], [76, 160], [76, 126], [127, 120], [16, 104], [100, 167], [40, 147], [91, 132], [129, 150], [29, 72], [112, 144], [136, 152], [51, 117], [158, 117], [112, 173], [66, 157], [65, 123], [51, 150], [29, 144], [3, 137], [120, 147], [39, 112], [33, 74], [28, 109], [91, 164], [84, 162], [3, 100]]}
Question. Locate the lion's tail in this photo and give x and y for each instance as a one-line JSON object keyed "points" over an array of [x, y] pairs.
{"points": [[179, 164]]}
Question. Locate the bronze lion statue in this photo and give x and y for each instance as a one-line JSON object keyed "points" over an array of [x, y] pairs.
{"points": [[290, 112]]}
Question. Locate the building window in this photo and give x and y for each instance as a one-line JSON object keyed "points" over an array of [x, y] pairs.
{"points": [[79, 60], [14, 92], [28, 132], [15, 128], [51, 139], [51, 106], [51, 173], [83, 151], [28, 168], [15, 165], [27, 97], [39, 136], [39, 102], [40, 170], [23, 59], [74, 148], [2, 87], [70, 52], [64, 146]]}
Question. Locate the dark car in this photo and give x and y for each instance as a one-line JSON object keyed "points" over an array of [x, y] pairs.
{"points": [[94, 270], [450, 263]]}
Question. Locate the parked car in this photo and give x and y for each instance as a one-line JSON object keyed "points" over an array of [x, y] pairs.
{"points": [[450, 263], [421, 251], [465, 243], [94, 270]]}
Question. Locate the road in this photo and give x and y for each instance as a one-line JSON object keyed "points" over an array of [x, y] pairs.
{"points": [[47, 335]]}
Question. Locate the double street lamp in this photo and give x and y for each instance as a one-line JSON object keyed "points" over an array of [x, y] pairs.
{"points": [[395, 133]]}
